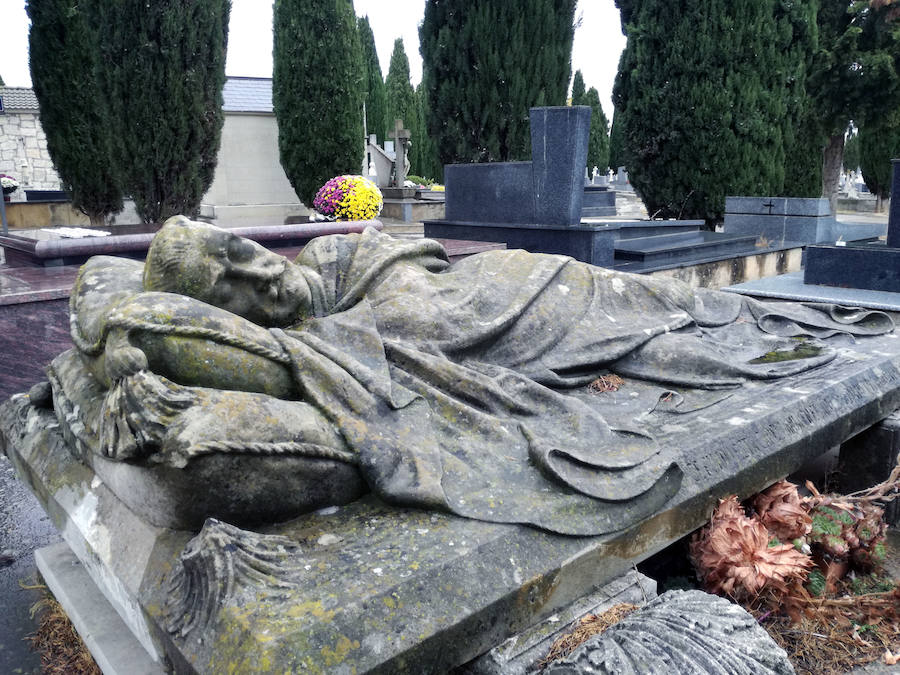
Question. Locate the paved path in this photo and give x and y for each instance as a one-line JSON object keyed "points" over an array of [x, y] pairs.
{"points": [[23, 528]]}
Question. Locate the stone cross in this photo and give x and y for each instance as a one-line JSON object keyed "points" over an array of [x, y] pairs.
{"points": [[401, 144]]}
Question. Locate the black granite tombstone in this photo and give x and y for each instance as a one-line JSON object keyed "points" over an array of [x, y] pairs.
{"points": [[893, 234], [873, 266], [534, 205]]}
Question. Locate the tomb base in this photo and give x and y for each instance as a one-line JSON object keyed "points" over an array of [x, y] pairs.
{"points": [[412, 210], [874, 267], [592, 244], [369, 587]]}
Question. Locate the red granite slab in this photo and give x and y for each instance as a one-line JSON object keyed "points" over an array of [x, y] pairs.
{"points": [[31, 334]]}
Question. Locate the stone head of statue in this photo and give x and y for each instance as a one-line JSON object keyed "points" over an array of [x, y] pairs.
{"points": [[218, 267]]}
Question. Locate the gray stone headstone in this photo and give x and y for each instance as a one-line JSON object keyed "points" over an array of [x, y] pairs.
{"points": [[401, 141], [545, 191], [559, 138]]}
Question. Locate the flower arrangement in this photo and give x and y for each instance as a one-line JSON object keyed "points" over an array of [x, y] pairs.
{"points": [[8, 183], [348, 198]]}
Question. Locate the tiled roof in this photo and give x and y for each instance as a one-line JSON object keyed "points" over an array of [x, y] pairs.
{"points": [[247, 94], [241, 94], [20, 98]]}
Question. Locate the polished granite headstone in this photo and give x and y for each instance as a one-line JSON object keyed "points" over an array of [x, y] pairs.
{"points": [[544, 206], [548, 190], [873, 266], [368, 587], [779, 218], [536, 205]]}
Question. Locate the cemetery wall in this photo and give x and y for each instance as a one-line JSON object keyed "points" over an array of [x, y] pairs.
{"points": [[23, 153], [249, 170]]}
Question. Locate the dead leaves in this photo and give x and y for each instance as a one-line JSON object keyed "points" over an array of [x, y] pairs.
{"points": [[606, 383], [747, 557], [847, 529], [60, 647], [781, 511], [824, 627], [587, 627], [735, 556]]}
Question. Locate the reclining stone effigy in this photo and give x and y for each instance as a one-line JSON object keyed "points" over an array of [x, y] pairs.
{"points": [[221, 380]]}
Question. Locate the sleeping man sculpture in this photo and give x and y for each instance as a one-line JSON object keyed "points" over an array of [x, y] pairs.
{"points": [[221, 380]]}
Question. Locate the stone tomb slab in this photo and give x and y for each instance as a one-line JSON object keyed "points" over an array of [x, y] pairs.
{"points": [[792, 287], [804, 220], [49, 248], [589, 243], [368, 587]]}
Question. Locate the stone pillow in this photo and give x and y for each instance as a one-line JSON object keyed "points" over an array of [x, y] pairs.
{"points": [[185, 340]]}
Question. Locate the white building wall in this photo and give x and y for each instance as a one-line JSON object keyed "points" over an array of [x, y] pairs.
{"points": [[248, 171], [23, 153]]}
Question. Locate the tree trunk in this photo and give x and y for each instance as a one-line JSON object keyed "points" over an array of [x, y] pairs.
{"points": [[831, 169], [98, 221]]}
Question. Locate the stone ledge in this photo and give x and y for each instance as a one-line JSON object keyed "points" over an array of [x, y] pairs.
{"points": [[109, 640]]}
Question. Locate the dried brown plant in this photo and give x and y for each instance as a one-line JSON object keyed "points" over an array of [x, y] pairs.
{"points": [[588, 626], [782, 512], [61, 649], [734, 556]]}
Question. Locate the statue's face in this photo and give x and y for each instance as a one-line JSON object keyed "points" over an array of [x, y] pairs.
{"points": [[253, 282]]}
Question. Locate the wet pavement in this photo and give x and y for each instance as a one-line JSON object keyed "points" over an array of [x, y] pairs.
{"points": [[23, 528]]}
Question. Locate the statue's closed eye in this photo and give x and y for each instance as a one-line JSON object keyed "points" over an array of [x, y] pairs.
{"points": [[240, 250]]}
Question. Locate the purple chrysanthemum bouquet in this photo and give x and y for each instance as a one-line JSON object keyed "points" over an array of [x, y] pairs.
{"points": [[348, 198]]}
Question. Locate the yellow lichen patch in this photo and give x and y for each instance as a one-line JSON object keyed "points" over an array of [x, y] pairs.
{"points": [[313, 607], [337, 655]]}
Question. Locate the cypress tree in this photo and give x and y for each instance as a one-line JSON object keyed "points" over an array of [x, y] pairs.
{"points": [[616, 159], [162, 69], [317, 91], [486, 63], [701, 102], [428, 165], [62, 56], [1, 81], [856, 74], [578, 89], [376, 103], [879, 143], [803, 135], [598, 141], [401, 98]]}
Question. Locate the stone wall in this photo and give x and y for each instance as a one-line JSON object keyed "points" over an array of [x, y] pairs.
{"points": [[248, 169], [23, 153]]}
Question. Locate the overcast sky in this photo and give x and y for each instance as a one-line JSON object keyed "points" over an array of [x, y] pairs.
{"points": [[598, 41]]}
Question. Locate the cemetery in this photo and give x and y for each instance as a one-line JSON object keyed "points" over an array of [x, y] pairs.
{"points": [[342, 376]]}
